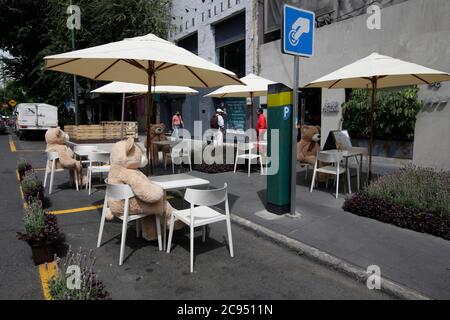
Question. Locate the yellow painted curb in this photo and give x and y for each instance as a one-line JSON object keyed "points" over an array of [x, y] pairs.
{"points": [[46, 272], [12, 145], [91, 208], [21, 190]]}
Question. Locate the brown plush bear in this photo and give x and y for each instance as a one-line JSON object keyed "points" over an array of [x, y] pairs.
{"points": [[126, 158], [309, 146], [56, 139], [157, 133]]}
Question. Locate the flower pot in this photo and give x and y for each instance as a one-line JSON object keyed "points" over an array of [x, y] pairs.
{"points": [[43, 254]]}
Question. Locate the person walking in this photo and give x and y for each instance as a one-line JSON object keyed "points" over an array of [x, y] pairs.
{"points": [[177, 123], [261, 130], [217, 123]]}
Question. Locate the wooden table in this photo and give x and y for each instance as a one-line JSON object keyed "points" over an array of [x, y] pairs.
{"points": [[175, 182]]}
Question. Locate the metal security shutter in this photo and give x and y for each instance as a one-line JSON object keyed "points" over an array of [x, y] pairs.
{"points": [[230, 30]]}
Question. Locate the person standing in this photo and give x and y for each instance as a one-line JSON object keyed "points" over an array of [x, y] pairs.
{"points": [[177, 123], [218, 123], [261, 128]]}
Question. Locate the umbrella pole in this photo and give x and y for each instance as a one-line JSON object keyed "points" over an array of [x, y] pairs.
{"points": [[251, 110], [150, 73], [123, 116], [372, 124]]}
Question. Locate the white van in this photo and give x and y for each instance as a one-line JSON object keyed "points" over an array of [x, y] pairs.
{"points": [[34, 118]]}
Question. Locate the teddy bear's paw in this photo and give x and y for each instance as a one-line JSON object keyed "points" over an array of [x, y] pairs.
{"points": [[109, 215]]}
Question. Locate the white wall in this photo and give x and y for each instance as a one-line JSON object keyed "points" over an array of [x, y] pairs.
{"points": [[416, 30]]}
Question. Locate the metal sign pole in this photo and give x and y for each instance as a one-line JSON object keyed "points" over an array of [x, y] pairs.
{"points": [[294, 135], [75, 82]]}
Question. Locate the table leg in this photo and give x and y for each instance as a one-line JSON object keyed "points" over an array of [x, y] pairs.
{"points": [[360, 172], [164, 219], [349, 176]]}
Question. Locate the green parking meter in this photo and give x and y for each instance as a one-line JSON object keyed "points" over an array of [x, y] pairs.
{"points": [[279, 117]]}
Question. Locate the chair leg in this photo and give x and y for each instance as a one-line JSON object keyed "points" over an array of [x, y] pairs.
{"points": [[230, 238], [337, 186], [45, 178], [349, 181], [173, 167], [249, 166], [306, 173], [313, 180], [169, 241], [52, 175], [158, 232], [204, 234], [192, 248], [262, 170], [236, 162], [124, 237], [90, 181], [102, 224]]}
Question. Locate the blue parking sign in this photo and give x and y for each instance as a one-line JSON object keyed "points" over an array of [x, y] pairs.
{"points": [[298, 31]]}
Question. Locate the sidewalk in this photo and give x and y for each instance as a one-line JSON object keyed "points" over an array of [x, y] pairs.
{"points": [[418, 261]]}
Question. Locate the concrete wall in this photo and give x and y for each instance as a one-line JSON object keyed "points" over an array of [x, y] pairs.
{"points": [[416, 31], [206, 39]]}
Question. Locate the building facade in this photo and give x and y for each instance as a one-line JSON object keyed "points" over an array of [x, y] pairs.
{"points": [[244, 37]]}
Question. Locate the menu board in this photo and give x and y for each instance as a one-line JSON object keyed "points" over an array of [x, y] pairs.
{"points": [[236, 114], [338, 140]]}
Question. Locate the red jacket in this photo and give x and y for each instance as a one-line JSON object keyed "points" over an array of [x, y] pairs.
{"points": [[261, 124]]}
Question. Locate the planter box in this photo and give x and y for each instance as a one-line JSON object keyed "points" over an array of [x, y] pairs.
{"points": [[43, 254], [401, 149]]}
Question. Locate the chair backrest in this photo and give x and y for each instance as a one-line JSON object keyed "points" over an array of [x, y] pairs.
{"points": [[118, 191], [85, 148], [245, 146], [103, 157], [206, 197], [331, 156], [52, 156]]}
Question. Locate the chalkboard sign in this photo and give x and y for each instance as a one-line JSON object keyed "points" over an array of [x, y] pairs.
{"points": [[339, 139], [236, 114]]}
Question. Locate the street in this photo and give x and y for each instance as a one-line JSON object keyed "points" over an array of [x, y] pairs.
{"points": [[259, 270]]}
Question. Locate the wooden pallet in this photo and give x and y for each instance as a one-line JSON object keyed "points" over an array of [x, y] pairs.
{"points": [[102, 131]]}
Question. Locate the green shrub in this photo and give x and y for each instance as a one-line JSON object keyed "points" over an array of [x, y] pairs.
{"points": [[395, 113], [32, 187], [34, 219], [413, 187]]}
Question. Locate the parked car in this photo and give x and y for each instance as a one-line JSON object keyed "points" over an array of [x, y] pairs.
{"points": [[3, 126], [33, 118]]}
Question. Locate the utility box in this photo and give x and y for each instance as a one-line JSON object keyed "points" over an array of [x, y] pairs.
{"points": [[279, 117]]}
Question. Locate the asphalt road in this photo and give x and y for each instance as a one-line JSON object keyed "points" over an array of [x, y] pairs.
{"points": [[259, 270]]}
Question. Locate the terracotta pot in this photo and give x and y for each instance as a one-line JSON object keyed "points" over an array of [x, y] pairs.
{"points": [[43, 254]]}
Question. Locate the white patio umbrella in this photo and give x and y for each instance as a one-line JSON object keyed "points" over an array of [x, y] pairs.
{"points": [[254, 86], [378, 71], [148, 60], [126, 87]]}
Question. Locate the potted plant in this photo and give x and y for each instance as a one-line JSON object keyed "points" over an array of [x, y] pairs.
{"points": [[23, 166], [32, 188], [41, 232], [85, 287]]}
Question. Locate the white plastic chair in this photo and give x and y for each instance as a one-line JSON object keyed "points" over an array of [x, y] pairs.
{"points": [[53, 157], [85, 148], [101, 161], [307, 167], [178, 157], [334, 168], [202, 215], [124, 192], [242, 154]]}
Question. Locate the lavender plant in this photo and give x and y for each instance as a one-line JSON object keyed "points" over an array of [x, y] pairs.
{"points": [[423, 189], [32, 187], [89, 286], [40, 228], [23, 166]]}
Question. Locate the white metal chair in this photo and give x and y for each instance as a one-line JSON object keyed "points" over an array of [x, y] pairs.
{"points": [[124, 192], [53, 157], [98, 163], [179, 157], [334, 168], [307, 167], [202, 215], [242, 154]]}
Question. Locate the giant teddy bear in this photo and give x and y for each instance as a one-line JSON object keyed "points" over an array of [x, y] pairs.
{"points": [[309, 146], [56, 139], [126, 159], [157, 133]]}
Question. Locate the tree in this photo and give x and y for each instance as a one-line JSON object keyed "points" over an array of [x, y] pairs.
{"points": [[32, 30]]}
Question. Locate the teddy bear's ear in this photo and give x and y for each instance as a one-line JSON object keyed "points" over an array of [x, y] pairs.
{"points": [[59, 134], [129, 144], [318, 128]]}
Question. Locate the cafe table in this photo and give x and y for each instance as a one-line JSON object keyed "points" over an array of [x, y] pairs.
{"points": [[175, 182]]}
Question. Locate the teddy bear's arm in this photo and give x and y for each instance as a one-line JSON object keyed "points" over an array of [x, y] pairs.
{"points": [[66, 157], [143, 188]]}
